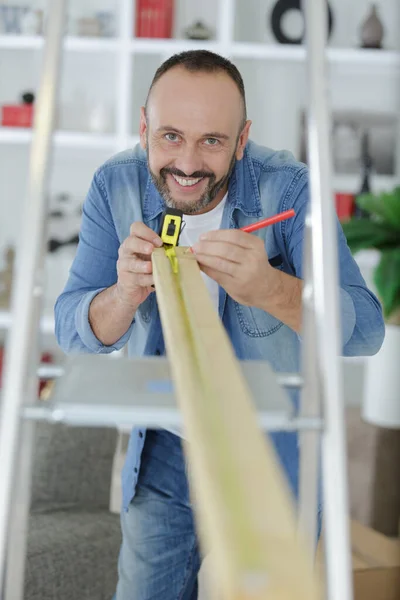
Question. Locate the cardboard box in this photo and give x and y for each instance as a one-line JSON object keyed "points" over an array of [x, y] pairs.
{"points": [[376, 564]]}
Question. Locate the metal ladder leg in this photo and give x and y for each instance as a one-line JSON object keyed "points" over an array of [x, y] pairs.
{"points": [[326, 306], [22, 348], [310, 405]]}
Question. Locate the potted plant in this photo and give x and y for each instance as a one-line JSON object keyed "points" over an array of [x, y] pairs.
{"points": [[380, 230]]}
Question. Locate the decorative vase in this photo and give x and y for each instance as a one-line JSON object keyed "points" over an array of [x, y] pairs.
{"points": [[372, 30], [198, 31], [381, 401]]}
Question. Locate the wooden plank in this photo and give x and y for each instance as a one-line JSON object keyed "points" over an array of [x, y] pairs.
{"points": [[243, 506]]}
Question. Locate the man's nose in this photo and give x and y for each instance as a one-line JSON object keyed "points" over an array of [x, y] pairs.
{"points": [[189, 161]]}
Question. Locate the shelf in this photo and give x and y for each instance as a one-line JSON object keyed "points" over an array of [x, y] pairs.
{"points": [[340, 56], [170, 46], [77, 44], [64, 139], [351, 183], [280, 52], [46, 323], [359, 57]]}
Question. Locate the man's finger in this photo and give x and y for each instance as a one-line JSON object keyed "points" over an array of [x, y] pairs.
{"points": [[232, 236], [145, 280], [135, 265], [140, 230], [224, 250], [133, 245], [217, 264]]}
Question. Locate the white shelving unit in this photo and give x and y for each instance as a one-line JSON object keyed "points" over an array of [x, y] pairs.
{"points": [[46, 323], [127, 65], [71, 44], [257, 51], [64, 139]]}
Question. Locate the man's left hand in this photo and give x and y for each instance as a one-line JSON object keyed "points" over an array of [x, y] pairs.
{"points": [[238, 262]]}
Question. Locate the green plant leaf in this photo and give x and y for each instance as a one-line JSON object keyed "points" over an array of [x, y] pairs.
{"points": [[387, 281], [385, 207], [365, 233]]}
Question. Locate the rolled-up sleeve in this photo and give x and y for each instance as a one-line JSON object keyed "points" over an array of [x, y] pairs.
{"points": [[361, 315], [93, 270]]}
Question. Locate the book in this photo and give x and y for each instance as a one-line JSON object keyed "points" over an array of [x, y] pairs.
{"points": [[154, 18]]}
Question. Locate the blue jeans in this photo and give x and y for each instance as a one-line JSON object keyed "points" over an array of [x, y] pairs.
{"points": [[159, 557]]}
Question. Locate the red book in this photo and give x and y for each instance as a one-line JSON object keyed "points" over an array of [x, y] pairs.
{"points": [[345, 204], [154, 18], [18, 115]]}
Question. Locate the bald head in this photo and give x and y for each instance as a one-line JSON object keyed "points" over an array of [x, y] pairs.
{"points": [[203, 62], [201, 102]]}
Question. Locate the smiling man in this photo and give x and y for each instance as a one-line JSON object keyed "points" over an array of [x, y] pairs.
{"points": [[195, 155]]}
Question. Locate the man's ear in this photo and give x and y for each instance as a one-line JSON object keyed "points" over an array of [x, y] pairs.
{"points": [[244, 136], [143, 128]]}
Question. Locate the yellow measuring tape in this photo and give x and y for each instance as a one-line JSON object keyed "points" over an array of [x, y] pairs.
{"points": [[170, 232]]}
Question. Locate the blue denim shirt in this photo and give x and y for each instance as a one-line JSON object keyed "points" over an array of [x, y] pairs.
{"points": [[262, 184]]}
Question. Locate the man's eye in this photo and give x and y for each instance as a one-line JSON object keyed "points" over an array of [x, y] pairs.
{"points": [[171, 137], [212, 141]]}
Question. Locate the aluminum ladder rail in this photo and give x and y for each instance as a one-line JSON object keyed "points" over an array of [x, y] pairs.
{"points": [[323, 389], [320, 361], [22, 350]]}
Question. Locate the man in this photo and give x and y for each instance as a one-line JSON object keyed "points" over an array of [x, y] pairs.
{"points": [[196, 156]]}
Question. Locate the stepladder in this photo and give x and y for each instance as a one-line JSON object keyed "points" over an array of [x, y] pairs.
{"points": [[320, 380]]}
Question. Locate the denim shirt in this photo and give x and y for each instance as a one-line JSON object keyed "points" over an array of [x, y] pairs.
{"points": [[262, 184]]}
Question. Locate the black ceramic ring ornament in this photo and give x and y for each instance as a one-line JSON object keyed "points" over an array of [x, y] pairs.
{"points": [[279, 11]]}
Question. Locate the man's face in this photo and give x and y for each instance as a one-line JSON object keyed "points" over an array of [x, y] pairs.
{"points": [[193, 136]]}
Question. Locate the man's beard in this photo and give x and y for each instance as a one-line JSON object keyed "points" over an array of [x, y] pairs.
{"points": [[207, 197]]}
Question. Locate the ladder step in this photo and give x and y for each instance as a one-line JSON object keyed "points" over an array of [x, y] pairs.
{"points": [[92, 390]]}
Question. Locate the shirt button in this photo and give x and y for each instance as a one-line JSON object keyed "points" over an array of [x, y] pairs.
{"points": [[140, 434], [158, 353], [135, 469]]}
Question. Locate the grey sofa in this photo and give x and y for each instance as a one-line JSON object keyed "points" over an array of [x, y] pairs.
{"points": [[73, 540]]}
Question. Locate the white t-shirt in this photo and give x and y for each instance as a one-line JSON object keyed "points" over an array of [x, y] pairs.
{"points": [[194, 226]]}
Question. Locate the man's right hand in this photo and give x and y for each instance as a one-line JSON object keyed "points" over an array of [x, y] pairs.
{"points": [[134, 267]]}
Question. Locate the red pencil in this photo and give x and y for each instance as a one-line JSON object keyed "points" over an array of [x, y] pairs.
{"points": [[287, 214]]}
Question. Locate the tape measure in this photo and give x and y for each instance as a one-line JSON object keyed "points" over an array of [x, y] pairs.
{"points": [[170, 231]]}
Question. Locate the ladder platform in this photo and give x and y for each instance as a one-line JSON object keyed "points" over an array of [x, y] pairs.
{"points": [[102, 391]]}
